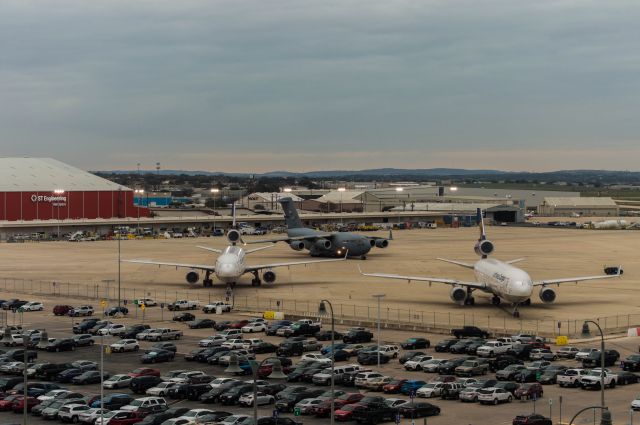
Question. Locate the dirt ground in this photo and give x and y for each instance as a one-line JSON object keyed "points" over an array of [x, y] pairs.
{"points": [[549, 253]]}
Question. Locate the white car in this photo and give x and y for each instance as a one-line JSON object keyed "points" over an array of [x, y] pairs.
{"points": [[432, 365], [90, 416], [125, 345], [142, 336], [432, 389], [212, 341], [492, 348], [33, 306], [316, 357], [396, 402], [8, 367], [252, 342], [106, 417], [416, 362], [161, 389], [235, 420], [14, 340], [362, 377], [188, 376], [583, 353], [635, 404], [390, 350], [148, 302], [306, 405], [234, 344], [117, 381], [194, 414], [53, 394], [218, 382], [494, 396], [254, 327], [72, 412], [113, 329], [263, 399]]}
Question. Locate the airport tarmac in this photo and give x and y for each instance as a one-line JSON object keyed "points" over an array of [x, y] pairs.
{"points": [[549, 253]]}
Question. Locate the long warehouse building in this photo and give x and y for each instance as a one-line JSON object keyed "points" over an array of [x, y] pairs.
{"points": [[46, 189]]}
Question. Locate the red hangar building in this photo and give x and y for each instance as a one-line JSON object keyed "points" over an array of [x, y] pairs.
{"points": [[46, 189]]}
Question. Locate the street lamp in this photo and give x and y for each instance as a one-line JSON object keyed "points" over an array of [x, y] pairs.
{"points": [[379, 297], [102, 378], [322, 311], [139, 192], [585, 325], [214, 192], [341, 190], [276, 373], [58, 192]]}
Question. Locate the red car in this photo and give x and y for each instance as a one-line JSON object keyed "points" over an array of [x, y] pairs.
{"points": [[346, 412], [18, 404], [61, 310], [539, 344], [265, 370], [528, 390], [7, 403], [125, 418], [144, 371], [393, 387], [238, 324]]}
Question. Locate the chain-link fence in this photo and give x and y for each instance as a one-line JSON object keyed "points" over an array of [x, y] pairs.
{"points": [[419, 320]]}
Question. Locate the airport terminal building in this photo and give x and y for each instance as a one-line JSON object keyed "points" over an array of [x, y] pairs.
{"points": [[46, 189]]}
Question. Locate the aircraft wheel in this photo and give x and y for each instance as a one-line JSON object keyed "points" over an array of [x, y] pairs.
{"points": [[516, 314], [495, 301]]}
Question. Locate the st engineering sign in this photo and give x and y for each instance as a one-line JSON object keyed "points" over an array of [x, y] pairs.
{"points": [[54, 200]]}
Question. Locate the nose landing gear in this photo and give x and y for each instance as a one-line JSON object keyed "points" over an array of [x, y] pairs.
{"points": [[207, 282], [256, 279]]}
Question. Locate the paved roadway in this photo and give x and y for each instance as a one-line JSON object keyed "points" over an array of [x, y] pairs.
{"points": [[453, 412]]}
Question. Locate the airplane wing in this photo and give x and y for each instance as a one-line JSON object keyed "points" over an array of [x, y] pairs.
{"points": [[249, 251], [292, 263], [455, 282], [575, 279], [206, 248], [184, 265], [292, 238], [459, 263]]}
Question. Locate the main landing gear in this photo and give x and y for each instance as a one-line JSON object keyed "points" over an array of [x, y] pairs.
{"points": [[256, 279], [516, 313], [495, 300], [207, 282], [469, 300]]}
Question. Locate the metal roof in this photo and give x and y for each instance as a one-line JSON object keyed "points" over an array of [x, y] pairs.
{"points": [[47, 175], [580, 202]]}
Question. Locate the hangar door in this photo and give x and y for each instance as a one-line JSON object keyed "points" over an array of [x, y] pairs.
{"points": [[505, 216]]}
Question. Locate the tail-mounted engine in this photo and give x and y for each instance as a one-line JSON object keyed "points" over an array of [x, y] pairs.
{"points": [[297, 245], [484, 248], [193, 277], [233, 236], [458, 294], [269, 276], [547, 295]]}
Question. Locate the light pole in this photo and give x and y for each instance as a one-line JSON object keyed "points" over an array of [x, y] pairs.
{"points": [[322, 311], [379, 297], [102, 378], [58, 192], [276, 373], [139, 192], [341, 190], [25, 392], [601, 360], [214, 192]]}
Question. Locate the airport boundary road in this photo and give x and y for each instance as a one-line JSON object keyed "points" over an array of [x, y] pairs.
{"points": [[346, 313]]}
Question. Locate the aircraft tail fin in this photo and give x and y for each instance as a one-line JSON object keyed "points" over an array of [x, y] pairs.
{"points": [[483, 235], [291, 217], [233, 214]]}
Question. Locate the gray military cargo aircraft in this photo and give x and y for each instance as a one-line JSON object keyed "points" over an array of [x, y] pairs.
{"points": [[324, 244]]}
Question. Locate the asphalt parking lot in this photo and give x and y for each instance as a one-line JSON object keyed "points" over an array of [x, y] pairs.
{"points": [[618, 399]]}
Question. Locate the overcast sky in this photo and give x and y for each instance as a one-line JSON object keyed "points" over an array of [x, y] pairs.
{"points": [[300, 85]]}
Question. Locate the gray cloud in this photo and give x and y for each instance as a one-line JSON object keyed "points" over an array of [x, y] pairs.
{"points": [[226, 85]]}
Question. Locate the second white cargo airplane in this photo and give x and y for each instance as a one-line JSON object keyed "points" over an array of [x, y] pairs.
{"points": [[499, 278]]}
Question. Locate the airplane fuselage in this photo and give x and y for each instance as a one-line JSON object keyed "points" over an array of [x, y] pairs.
{"points": [[230, 265], [357, 245], [504, 280]]}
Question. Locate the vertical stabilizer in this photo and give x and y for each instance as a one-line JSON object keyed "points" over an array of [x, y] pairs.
{"points": [[290, 214], [483, 247], [480, 220]]}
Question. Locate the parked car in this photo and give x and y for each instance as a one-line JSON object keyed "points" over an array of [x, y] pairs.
{"points": [[415, 343], [529, 390], [531, 419], [157, 356], [469, 331], [202, 324], [61, 310]]}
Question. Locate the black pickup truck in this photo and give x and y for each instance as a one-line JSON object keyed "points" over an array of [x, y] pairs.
{"points": [[593, 359], [469, 331], [375, 413], [631, 363]]}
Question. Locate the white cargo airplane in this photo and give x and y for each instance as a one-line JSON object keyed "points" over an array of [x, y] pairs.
{"points": [[230, 264], [499, 278]]}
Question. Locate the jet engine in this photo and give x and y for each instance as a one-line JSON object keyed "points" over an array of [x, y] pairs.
{"points": [[323, 244], [233, 236], [382, 243], [547, 295], [297, 245], [458, 294], [372, 242], [269, 276], [484, 248], [193, 277]]}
